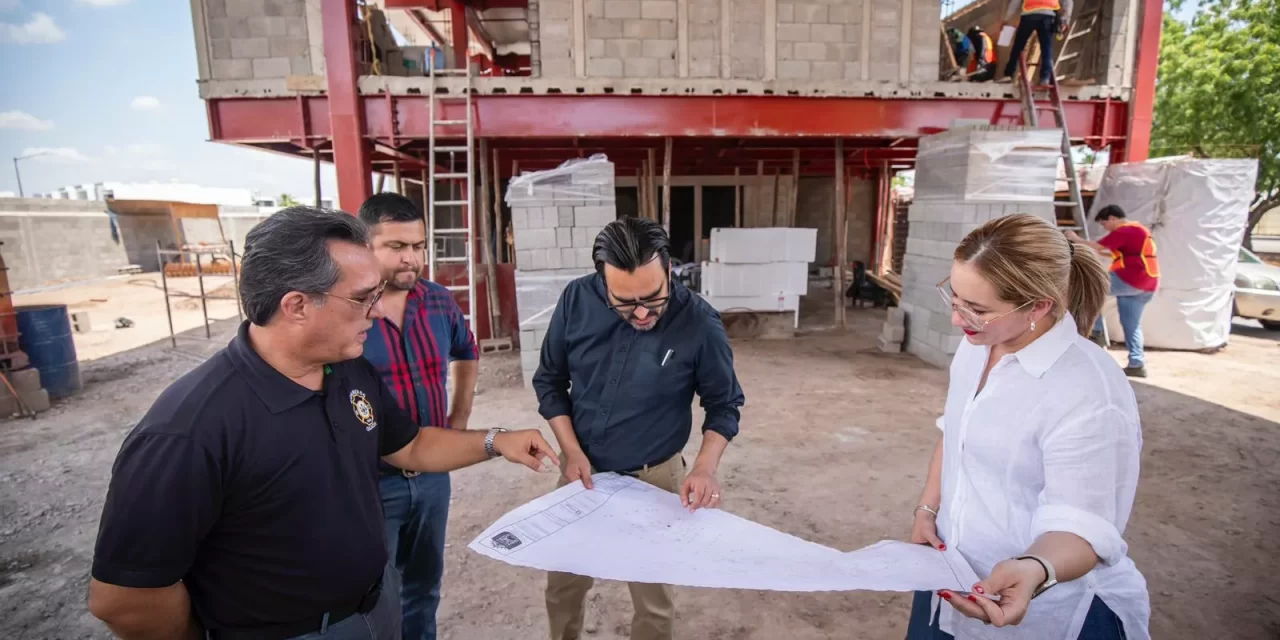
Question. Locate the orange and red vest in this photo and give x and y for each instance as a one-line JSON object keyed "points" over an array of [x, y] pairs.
{"points": [[1040, 5], [988, 54]]}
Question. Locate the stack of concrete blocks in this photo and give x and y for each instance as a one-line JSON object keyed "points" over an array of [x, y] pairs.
{"points": [[262, 39], [27, 383], [964, 178], [764, 269], [556, 216], [740, 39], [894, 331]]}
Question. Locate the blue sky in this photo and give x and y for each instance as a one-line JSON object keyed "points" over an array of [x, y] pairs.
{"points": [[110, 87]]}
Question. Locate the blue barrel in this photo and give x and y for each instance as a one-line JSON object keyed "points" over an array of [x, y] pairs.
{"points": [[45, 336]]}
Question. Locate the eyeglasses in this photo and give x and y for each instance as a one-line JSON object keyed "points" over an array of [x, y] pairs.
{"points": [[972, 319], [368, 303], [628, 309]]}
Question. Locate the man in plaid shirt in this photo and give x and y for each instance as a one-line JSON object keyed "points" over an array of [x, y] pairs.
{"points": [[423, 336]]}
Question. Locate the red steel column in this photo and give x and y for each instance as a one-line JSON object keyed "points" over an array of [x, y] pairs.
{"points": [[351, 150], [458, 26], [1143, 104]]}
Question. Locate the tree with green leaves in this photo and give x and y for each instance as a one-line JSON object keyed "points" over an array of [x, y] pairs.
{"points": [[1218, 90], [287, 200]]}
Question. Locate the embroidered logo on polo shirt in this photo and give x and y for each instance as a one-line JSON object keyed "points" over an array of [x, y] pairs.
{"points": [[363, 410]]}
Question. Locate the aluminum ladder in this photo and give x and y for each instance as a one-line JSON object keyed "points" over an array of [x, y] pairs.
{"points": [[1031, 118], [451, 157]]}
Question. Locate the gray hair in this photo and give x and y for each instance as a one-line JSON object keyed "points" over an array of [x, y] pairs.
{"points": [[289, 252]]}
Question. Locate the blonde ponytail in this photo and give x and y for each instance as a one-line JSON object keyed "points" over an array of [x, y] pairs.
{"points": [[1026, 259]]}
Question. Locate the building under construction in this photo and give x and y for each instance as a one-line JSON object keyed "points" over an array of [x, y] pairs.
{"points": [[714, 113]]}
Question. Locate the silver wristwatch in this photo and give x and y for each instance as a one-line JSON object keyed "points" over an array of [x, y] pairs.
{"points": [[488, 441], [1050, 579]]}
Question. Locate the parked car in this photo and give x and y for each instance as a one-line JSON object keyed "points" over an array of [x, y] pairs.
{"points": [[1257, 290]]}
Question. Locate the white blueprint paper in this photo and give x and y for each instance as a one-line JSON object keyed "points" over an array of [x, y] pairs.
{"points": [[630, 531]]}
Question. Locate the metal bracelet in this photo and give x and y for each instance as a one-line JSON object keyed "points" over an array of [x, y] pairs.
{"points": [[925, 507], [488, 442]]}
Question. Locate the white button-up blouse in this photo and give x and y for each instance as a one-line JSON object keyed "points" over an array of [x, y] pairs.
{"points": [[1050, 444]]}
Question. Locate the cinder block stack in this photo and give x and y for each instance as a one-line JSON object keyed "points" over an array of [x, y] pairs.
{"points": [[556, 216], [27, 383], [758, 269], [894, 331], [964, 178]]}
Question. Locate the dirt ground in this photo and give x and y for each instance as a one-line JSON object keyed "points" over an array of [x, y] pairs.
{"points": [[833, 449]]}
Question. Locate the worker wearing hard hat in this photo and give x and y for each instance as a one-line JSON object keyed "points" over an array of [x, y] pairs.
{"points": [[1042, 18]]}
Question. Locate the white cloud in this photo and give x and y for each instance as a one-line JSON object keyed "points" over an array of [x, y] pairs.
{"points": [[23, 121], [105, 3], [145, 103], [9, 5], [41, 29], [59, 155], [147, 157]]}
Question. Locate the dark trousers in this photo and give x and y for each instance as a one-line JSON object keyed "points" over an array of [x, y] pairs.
{"points": [[985, 73], [1042, 25], [1100, 623], [417, 511]]}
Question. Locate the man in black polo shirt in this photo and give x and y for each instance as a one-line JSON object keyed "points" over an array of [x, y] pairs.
{"points": [[626, 350], [245, 503]]}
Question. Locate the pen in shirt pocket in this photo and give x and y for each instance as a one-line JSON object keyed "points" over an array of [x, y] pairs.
{"points": [[667, 357]]}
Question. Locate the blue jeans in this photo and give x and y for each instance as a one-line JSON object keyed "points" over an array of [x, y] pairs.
{"points": [[1130, 302], [417, 512], [1043, 26], [1100, 623]]}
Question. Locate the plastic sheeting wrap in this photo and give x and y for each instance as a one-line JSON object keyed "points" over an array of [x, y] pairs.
{"points": [[587, 179], [1197, 211], [989, 165]]}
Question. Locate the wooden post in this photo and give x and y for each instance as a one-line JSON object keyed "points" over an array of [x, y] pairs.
{"points": [[499, 229], [651, 168], [486, 238], [642, 183], [382, 178], [315, 153], [395, 173], [795, 187], [842, 237], [697, 223], [666, 188], [759, 187], [737, 197], [777, 186]]}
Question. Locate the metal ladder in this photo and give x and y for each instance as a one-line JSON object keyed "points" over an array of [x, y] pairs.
{"points": [[1031, 118], [451, 156]]}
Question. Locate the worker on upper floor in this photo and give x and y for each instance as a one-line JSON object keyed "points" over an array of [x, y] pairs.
{"points": [[982, 64], [1043, 18], [961, 48]]}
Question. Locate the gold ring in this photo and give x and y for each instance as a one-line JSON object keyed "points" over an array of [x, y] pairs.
{"points": [[715, 495]]}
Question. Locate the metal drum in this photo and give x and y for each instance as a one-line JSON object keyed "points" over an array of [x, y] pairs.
{"points": [[45, 336]]}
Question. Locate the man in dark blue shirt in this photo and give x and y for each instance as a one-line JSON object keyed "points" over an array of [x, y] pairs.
{"points": [[626, 350]]}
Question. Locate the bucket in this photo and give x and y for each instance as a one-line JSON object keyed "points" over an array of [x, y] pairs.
{"points": [[45, 336]]}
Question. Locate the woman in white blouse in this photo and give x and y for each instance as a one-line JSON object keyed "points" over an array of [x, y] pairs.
{"points": [[1033, 477]]}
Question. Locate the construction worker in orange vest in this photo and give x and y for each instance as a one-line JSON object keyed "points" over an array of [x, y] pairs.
{"points": [[982, 64], [1043, 18]]}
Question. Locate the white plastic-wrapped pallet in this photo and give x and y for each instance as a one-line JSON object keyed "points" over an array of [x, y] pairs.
{"points": [[1197, 211]]}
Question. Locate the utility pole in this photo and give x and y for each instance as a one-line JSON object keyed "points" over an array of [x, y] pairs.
{"points": [[18, 174]]}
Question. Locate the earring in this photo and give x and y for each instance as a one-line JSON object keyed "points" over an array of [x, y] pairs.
{"points": [[1033, 325]]}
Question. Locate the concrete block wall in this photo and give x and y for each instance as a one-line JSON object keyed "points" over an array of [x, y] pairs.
{"points": [[786, 40], [554, 222], [816, 209], [261, 39], [945, 211], [47, 241]]}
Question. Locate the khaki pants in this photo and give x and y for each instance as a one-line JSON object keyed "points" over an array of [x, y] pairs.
{"points": [[654, 610]]}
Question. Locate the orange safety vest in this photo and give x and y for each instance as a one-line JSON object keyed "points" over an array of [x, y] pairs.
{"points": [[988, 54], [1040, 5], [1148, 256]]}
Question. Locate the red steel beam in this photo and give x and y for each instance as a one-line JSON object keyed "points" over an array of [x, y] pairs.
{"points": [[461, 34], [642, 119], [1144, 82], [344, 111], [441, 5]]}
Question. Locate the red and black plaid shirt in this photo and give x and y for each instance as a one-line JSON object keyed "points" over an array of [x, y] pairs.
{"points": [[413, 360]]}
